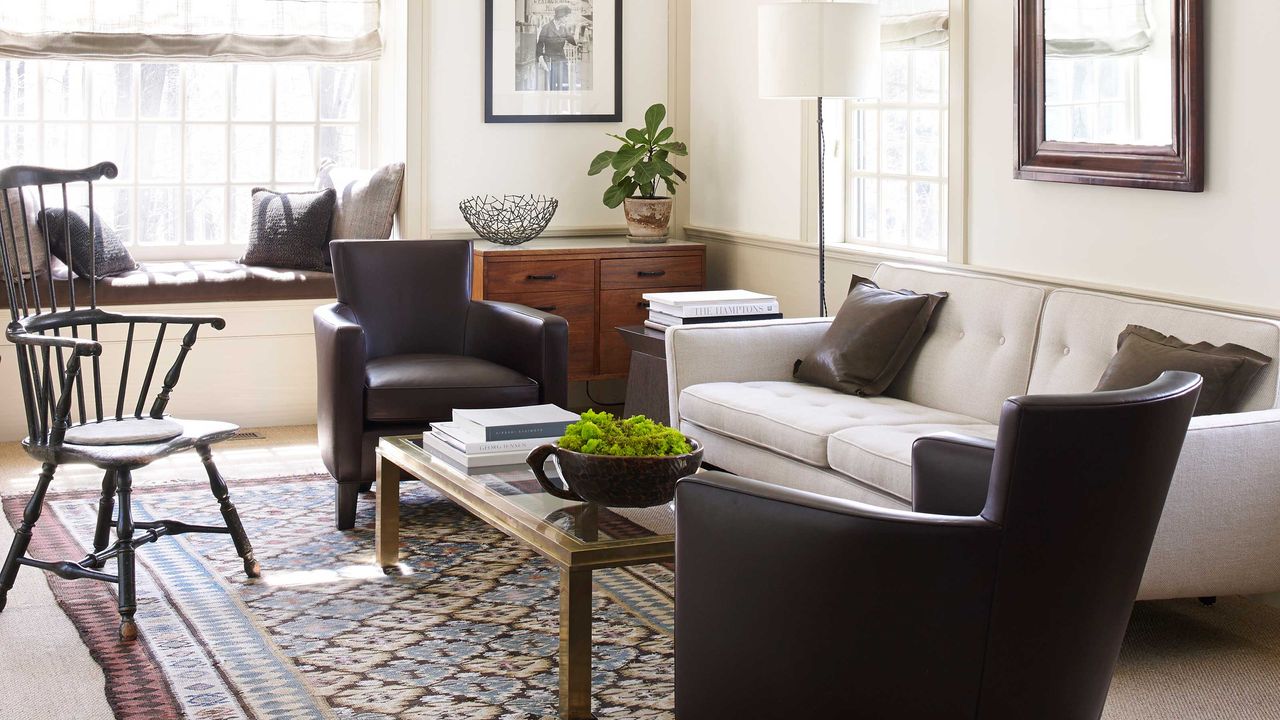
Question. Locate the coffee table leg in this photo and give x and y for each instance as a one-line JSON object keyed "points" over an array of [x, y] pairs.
{"points": [[388, 513], [575, 645]]}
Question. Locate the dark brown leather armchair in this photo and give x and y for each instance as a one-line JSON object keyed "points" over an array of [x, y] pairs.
{"points": [[405, 345], [1005, 595]]}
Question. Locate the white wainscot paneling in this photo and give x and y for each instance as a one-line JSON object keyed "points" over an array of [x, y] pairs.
{"points": [[258, 372]]}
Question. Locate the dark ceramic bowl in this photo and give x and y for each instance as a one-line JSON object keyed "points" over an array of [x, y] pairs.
{"points": [[624, 482]]}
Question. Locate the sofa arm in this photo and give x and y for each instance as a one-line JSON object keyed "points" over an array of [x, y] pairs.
{"points": [[784, 596], [736, 352], [1220, 530], [950, 474], [340, 361], [526, 340]]}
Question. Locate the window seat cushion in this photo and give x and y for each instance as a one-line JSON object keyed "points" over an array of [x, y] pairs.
{"points": [[196, 281]]}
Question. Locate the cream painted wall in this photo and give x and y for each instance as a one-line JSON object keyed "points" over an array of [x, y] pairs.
{"points": [[464, 156], [746, 152], [1220, 245]]}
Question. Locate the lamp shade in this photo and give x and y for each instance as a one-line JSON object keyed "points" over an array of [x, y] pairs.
{"points": [[820, 49]]}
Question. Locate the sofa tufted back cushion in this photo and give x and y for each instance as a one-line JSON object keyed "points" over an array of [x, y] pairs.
{"points": [[1079, 330], [979, 351]]}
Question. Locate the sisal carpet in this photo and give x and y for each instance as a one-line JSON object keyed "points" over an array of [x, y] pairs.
{"points": [[468, 630]]}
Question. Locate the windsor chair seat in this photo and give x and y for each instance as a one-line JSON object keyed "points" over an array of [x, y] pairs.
{"points": [[68, 403]]}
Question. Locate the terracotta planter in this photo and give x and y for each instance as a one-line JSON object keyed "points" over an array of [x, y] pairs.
{"points": [[634, 482], [648, 218]]}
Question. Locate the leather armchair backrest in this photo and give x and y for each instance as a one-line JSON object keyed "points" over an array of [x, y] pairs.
{"points": [[409, 296], [1078, 485]]}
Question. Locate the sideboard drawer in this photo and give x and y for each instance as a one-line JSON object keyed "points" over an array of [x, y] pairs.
{"points": [[657, 272], [539, 276], [619, 308], [578, 308]]}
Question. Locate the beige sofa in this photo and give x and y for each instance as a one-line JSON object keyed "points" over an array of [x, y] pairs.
{"points": [[731, 387]]}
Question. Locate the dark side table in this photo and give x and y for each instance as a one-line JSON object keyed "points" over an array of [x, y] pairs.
{"points": [[647, 379]]}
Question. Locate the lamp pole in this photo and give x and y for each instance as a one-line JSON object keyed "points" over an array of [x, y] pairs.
{"points": [[822, 215]]}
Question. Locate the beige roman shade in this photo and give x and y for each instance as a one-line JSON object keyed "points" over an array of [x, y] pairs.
{"points": [[918, 31], [1097, 28], [227, 30]]}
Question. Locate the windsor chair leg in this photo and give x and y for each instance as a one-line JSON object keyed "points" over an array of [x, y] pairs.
{"points": [[106, 513], [229, 514], [22, 536], [124, 561]]}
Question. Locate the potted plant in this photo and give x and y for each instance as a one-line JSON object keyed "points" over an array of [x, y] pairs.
{"points": [[618, 463], [641, 170]]}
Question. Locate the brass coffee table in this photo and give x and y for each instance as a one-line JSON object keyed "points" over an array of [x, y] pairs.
{"points": [[566, 533]]}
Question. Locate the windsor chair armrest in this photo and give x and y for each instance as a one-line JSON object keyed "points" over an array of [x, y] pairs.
{"points": [[97, 316], [212, 321], [82, 346]]}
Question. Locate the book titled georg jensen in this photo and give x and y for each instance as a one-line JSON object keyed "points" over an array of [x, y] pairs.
{"points": [[517, 423]]}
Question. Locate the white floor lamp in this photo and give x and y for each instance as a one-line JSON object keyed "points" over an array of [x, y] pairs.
{"points": [[820, 50]]}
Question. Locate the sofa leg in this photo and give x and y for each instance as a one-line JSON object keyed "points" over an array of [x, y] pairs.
{"points": [[366, 487], [345, 504], [1209, 601]]}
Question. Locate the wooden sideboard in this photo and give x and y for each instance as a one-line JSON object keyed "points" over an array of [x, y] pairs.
{"points": [[595, 284]]}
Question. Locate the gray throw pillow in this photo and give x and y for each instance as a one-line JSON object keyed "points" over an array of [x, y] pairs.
{"points": [[22, 206], [1228, 370], [367, 200], [870, 339], [290, 230], [112, 257]]}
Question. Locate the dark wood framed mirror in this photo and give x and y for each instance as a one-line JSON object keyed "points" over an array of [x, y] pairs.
{"points": [[1111, 92]]}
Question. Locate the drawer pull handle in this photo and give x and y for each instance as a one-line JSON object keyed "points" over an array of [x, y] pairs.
{"points": [[540, 277], [651, 273], [546, 308], [643, 304]]}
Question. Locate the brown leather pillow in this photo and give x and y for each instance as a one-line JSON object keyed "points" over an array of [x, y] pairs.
{"points": [[870, 339], [1228, 370]]}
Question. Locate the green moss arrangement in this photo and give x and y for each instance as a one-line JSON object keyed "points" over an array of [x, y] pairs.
{"points": [[600, 433]]}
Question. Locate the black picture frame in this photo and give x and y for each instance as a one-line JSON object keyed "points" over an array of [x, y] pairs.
{"points": [[491, 117]]}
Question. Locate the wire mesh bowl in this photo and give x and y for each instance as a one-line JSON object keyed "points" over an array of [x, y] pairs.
{"points": [[509, 220]]}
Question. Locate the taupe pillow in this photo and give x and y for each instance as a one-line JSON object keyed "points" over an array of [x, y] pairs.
{"points": [[1143, 354], [17, 202], [290, 230], [870, 339], [367, 200]]}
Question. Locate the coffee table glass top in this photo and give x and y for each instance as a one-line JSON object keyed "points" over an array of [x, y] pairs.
{"points": [[573, 534]]}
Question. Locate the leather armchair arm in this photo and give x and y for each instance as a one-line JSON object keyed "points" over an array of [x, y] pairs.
{"points": [[526, 340], [843, 604], [950, 474], [340, 361]]}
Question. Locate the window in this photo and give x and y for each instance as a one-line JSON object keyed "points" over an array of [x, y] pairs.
{"points": [[897, 146], [191, 139]]}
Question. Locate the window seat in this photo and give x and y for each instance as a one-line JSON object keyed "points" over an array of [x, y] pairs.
{"points": [[195, 281]]}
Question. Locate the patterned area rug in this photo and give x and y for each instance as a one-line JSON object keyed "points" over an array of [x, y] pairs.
{"points": [[467, 630]]}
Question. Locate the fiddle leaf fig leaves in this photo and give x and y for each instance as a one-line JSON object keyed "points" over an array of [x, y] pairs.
{"points": [[642, 163]]}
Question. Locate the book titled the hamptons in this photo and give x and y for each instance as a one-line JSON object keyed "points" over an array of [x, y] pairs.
{"points": [[713, 303]]}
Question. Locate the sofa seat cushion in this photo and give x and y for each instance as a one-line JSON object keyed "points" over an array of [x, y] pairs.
{"points": [[429, 387], [796, 419], [880, 456]]}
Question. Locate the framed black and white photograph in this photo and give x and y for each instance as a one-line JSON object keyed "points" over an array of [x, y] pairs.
{"points": [[553, 61]]}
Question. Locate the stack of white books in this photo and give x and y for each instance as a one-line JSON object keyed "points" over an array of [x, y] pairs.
{"points": [[500, 436], [711, 306]]}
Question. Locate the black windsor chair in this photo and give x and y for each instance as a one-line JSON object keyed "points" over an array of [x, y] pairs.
{"points": [[59, 353]]}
